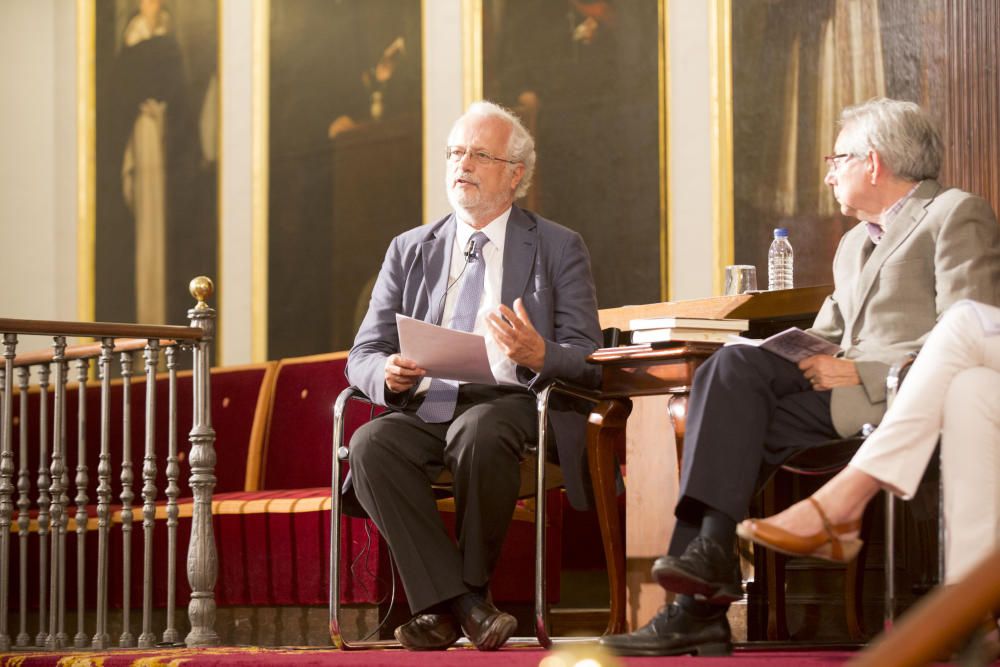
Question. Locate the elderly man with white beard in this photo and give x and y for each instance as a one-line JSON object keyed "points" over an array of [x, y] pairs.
{"points": [[525, 284]]}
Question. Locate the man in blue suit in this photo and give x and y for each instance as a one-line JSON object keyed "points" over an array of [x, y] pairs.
{"points": [[524, 283]]}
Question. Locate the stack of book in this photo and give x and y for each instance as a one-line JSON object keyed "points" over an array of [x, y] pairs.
{"points": [[664, 329]]}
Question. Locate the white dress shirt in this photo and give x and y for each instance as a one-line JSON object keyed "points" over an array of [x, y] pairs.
{"points": [[496, 231]]}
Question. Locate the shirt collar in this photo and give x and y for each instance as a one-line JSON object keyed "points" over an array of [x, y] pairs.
{"points": [[876, 229], [496, 231]]}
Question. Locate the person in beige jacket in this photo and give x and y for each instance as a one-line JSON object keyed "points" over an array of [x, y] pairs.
{"points": [[919, 247]]}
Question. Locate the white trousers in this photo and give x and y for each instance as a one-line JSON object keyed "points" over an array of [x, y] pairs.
{"points": [[952, 391]]}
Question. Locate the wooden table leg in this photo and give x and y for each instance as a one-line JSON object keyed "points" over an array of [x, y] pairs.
{"points": [[605, 438], [677, 407]]}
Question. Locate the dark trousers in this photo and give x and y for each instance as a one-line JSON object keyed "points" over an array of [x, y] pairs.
{"points": [[748, 412], [395, 458]]}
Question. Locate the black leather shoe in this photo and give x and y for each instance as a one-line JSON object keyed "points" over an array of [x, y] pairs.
{"points": [[486, 626], [428, 632], [673, 631], [704, 570]]}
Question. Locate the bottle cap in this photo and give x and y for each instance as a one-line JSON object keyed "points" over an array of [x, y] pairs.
{"points": [[781, 231]]}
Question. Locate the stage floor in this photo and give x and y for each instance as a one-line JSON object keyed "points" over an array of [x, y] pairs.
{"points": [[455, 657]]}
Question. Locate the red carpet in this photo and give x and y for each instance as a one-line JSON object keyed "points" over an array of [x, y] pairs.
{"points": [[458, 657]]}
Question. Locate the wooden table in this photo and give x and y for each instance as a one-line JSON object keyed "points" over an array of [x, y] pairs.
{"points": [[633, 372]]}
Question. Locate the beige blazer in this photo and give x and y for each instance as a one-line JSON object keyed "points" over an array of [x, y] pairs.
{"points": [[942, 246]]}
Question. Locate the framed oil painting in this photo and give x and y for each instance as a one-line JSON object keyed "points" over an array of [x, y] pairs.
{"points": [[345, 167], [156, 150], [585, 77], [797, 64]]}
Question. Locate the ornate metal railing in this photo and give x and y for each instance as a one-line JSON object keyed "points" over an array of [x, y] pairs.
{"points": [[43, 511]]}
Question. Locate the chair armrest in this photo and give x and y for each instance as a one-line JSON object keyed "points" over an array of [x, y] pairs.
{"points": [[339, 413], [565, 388], [897, 372]]}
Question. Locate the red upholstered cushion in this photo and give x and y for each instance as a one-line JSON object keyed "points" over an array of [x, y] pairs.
{"points": [[297, 449]]}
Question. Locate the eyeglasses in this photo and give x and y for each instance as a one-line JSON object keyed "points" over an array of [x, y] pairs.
{"points": [[831, 160], [458, 153]]}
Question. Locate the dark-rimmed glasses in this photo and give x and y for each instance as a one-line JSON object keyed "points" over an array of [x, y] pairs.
{"points": [[832, 160], [458, 153]]}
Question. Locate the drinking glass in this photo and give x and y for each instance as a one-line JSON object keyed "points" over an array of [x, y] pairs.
{"points": [[740, 278]]}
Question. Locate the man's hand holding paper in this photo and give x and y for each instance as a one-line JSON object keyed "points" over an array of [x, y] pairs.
{"points": [[443, 353], [401, 373]]}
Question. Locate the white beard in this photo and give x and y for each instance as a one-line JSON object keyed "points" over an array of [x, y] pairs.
{"points": [[463, 198], [470, 201]]}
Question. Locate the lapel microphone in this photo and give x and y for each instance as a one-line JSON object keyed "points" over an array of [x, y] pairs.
{"points": [[470, 251]]}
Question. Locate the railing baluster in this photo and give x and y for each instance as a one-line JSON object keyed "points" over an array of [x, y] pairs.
{"points": [[170, 635], [44, 502], [23, 502], [6, 482], [147, 639], [82, 480], [101, 636], [61, 637], [127, 638], [203, 559], [56, 508]]}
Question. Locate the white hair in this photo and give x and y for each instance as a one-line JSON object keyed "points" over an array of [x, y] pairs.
{"points": [[902, 133], [520, 145]]}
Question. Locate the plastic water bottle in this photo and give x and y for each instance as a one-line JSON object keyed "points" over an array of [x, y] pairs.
{"points": [[779, 261]]}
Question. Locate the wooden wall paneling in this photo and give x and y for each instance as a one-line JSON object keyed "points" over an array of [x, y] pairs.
{"points": [[972, 97]]}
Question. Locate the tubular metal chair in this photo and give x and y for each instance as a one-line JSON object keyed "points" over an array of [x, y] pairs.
{"points": [[827, 459], [541, 483]]}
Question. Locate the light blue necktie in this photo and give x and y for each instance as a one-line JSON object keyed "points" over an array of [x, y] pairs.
{"points": [[439, 401]]}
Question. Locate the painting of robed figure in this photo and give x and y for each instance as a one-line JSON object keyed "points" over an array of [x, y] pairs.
{"points": [[156, 148]]}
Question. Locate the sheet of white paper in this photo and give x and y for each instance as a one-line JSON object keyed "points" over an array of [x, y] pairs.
{"points": [[444, 353]]}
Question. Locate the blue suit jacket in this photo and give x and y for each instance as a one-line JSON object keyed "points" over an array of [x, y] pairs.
{"points": [[545, 264]]}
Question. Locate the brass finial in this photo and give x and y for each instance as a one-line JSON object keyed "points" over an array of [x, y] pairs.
{"points": [[201, 288]]}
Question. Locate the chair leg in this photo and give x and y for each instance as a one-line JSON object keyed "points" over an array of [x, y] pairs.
{"points": [[777, 624], [541, 605], [853, 589], [890, 560], [541, 610], [336, 516], [941, 527]]}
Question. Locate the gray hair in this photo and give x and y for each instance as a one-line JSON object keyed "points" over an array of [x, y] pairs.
{"points": [[901, 133], [520, 146]]}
